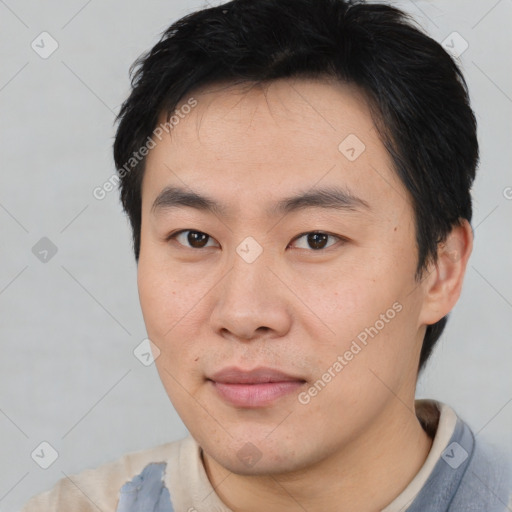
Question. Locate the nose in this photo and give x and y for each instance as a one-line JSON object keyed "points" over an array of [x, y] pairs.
{"points": [[251, 302]]}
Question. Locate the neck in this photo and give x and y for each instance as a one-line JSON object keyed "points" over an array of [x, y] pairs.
{"points": [[366, 476]]}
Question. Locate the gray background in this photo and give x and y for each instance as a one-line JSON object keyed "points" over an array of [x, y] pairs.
{"points": [[69, 325]]}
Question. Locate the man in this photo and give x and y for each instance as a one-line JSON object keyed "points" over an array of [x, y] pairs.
{"points": [[297, 175]]}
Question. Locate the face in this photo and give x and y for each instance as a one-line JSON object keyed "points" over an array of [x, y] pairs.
{"points": [[283, 300]]}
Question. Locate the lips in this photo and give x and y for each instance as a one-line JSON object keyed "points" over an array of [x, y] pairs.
{"points": [[259, 387], [260, 375]]}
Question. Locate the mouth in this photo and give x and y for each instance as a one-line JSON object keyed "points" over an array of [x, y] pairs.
{"points": [[259, 387]]}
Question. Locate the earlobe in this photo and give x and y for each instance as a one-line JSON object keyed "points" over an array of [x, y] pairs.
{"points": [[443, 283]]}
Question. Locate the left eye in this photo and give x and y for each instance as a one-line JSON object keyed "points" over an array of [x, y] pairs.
{"points": [[317, 240]]}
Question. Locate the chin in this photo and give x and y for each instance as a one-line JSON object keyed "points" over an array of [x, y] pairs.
{"points": [[259, 455], [254, 463]]}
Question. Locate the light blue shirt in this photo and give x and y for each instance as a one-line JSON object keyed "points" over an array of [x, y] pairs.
{"points": [[468, 477]]}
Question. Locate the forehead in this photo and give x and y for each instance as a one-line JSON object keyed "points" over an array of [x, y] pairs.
{"points": [[249, 142]]}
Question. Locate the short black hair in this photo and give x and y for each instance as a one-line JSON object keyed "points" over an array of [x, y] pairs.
{"points": [[416, 92]]}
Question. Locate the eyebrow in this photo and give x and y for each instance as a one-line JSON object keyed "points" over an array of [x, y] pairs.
{"points": [[327, 198]]}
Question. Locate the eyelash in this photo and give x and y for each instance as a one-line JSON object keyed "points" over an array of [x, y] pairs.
{"points": [[174, 235]]}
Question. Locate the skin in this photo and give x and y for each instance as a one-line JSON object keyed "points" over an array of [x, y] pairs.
{"points": [[357, 443]]}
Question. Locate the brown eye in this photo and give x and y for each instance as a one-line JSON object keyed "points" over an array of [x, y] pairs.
{"points": [[191, 239], [317, 240], [197, 239]]}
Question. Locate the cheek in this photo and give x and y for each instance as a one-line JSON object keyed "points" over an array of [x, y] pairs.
{"points": [[173, 315], [345, 301], [358, 378], [370, 314], [383, 354], [169, 298], [156, 294], [168, 315]]}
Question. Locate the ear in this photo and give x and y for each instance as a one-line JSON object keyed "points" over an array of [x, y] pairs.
{"points": [[442, 282]]}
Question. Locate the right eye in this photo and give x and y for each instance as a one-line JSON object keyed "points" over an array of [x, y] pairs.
{"points": [[194, 239]]}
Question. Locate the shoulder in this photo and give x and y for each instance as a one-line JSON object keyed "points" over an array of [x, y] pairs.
{"points": [[98, 488], [462, 472], [474, 474], [487, 480]]}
